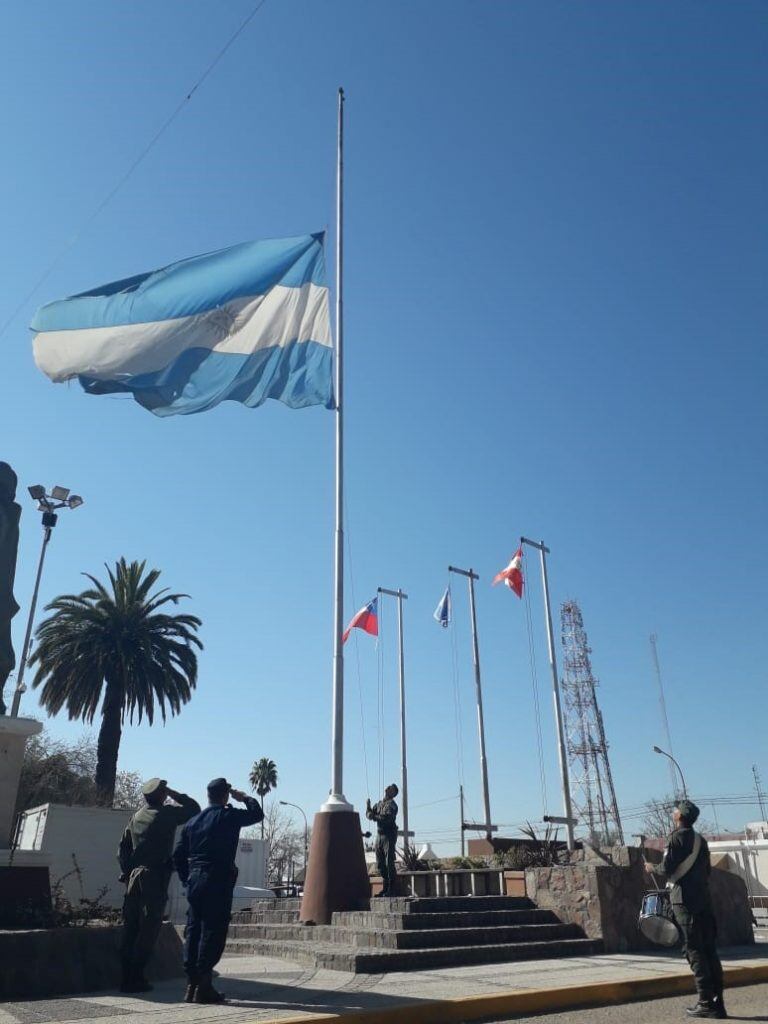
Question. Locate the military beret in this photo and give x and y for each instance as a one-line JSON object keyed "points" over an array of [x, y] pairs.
{"points": [[217, 785], [688, 810], [152, 786]]}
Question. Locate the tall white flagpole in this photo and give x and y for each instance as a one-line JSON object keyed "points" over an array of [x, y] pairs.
{"points": [[337, 875], [337, 798]]}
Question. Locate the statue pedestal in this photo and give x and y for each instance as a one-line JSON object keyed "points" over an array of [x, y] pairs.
{"points": [[25, 887], [337, 875], [14, 733]]}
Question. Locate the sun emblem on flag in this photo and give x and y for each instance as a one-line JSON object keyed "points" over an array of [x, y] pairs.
{"points": [[221, 321]]}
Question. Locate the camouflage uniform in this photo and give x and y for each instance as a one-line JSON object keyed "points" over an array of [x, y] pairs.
{"points": [[145, 861], [384, 813]]}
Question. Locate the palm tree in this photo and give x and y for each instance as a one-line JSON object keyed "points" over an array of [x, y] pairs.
{"points": [[113, 646], [263, 779]]}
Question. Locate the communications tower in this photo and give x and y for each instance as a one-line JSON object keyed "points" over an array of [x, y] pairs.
{"points": [[592, 793]]}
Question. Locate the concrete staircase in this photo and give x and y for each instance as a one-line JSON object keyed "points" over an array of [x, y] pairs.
{"points": [[411, 934]]}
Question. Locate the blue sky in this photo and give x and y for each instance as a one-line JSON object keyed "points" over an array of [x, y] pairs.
{"points": [[555, 321]]}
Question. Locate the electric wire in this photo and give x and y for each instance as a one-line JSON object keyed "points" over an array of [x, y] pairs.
{"points": [[143, 153]]}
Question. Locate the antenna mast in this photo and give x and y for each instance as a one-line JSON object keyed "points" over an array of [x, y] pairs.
{"points": [[663, 708], [592, 791]]}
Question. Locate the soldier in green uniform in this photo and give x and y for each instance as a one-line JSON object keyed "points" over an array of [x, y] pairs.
{"points": [[384, 813], [145, 862], [687, 867]]}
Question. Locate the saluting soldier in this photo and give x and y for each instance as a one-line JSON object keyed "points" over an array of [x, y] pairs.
{"points": [[145, 862], [205, 860], [687, 867], [384, 813]]}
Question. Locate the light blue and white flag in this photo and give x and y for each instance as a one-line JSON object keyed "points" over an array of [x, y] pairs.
{"points": [[244, 324], [442, 613]]}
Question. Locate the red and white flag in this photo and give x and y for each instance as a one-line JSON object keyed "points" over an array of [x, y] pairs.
{"points": [[366, 619], [513, 574]]}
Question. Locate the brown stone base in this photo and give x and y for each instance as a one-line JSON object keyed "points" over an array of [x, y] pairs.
{"points": [[337, 877]]}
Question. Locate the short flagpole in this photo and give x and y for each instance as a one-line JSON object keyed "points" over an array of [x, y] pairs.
{"points": [[561, 750], [471, 576], [400, 596], [337, 742]]}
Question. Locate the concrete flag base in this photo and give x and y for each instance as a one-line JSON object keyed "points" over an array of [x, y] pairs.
{"points": [[337, 875]]}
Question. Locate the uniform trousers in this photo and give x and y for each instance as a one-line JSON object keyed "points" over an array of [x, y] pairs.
{"points": [[143, 909], [700, 947], [210, 908], [385, 862]]}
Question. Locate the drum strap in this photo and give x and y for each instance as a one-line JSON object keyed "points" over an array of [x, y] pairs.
{"points": [[687, 864]]}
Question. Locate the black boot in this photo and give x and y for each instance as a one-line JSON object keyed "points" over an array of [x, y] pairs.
{"points": [[189, 995], [706, 1008], [722, 1013], [133, 979], [206, 993]]}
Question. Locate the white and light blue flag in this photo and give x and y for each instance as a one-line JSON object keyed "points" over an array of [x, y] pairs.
{"points": [[442, 613], [243, 324]]}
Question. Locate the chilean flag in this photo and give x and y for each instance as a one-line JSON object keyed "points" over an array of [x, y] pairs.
{"points": [[513, 574], [366, 619]]}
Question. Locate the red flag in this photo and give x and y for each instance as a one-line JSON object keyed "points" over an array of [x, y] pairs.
{"points": [[513, 574], [366, 619]]}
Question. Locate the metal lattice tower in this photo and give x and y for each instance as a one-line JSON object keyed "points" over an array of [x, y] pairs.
{"points": [[592, 792]]}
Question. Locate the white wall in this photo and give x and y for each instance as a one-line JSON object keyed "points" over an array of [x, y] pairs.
{"points": [[92, 835], [750, 857], [89, 834]]}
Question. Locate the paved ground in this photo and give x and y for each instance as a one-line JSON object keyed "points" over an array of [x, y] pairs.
{"points": [[748, 1003], [262, 989]]}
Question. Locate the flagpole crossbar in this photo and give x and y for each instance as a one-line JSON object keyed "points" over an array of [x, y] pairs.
{"points": [[556, 819], [464, 572], [393, 593], [472, 826], [401, 834], [538, 544]]}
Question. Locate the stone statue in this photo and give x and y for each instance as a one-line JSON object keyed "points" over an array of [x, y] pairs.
{"points": [[10, 513]]}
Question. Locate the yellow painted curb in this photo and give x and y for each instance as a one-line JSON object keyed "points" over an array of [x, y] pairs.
{"points": [[531, 1000]]}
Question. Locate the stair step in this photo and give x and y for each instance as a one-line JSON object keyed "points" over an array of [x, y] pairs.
{"points": [[448, 919], [406, 938], [449, 904], [348, 958]]}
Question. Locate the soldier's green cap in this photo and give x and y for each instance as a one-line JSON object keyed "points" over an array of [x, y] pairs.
{"points": [[688, 810], [152, 786]]}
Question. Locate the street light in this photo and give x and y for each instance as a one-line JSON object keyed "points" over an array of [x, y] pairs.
{"points": [[49, 505], [658, 750], [287, 803]]}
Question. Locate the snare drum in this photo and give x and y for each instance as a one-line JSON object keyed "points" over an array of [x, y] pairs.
{"points": [[656, 921]]}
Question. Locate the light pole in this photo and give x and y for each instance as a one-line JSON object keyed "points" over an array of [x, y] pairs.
{"points": [[287, 803], [658, 750], [48, 504]]}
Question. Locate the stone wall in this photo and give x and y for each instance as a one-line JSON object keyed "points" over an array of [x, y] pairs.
{"points": [[59, 961], [602, 894]]}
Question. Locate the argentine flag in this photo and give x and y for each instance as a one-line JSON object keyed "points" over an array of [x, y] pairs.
{"points": [[243, 324]]}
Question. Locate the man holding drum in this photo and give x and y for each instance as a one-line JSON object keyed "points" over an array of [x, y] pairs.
{"points": [[687, 867]]}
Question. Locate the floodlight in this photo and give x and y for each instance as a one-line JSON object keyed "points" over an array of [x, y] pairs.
{"points": [[75, 501], [37, 491], [60, 493]]}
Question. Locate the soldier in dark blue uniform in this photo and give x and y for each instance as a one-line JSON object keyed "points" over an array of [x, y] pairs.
{"points": [[205, 860]]}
